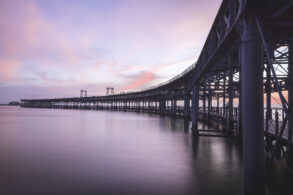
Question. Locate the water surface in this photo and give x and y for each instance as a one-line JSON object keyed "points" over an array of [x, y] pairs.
{"points": [[54, 151]]}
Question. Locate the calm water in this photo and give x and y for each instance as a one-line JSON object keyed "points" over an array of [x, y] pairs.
{"points": [[47, 151]]}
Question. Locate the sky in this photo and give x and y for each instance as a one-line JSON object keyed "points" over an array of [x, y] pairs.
{"points": [[55, 48]]}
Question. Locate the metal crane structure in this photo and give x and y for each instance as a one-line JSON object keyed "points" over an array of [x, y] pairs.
{"points": [[244, 69], [110, 91], [83, 93]]}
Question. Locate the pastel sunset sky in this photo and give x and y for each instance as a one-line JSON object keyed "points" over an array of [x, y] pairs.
{"points": [[55, 48]]}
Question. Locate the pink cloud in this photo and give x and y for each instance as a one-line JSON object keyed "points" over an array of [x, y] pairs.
{"points": [[9, 69], [29, 35], [140, 81], [276, 101], [77, 45]]}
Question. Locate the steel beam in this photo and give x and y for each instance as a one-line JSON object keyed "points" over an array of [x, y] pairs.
{"points": [[209, 100], [218, 104], [230, 95], [204, 100], [174, 106], [224, 96], [239, 127], [162, 106], [195, 107], [290, 89], [186, 106], [268, 98], [290, 100], [252, 101]]}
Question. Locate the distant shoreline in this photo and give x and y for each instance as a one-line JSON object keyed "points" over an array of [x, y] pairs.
{"points": [[8, 105]]}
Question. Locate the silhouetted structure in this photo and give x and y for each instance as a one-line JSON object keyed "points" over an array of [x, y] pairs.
{"points": [[110, 91], [248, 53], [83, 93]]}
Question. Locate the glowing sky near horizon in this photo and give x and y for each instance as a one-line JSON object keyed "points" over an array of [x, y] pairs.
{"points": [[55, 48]]}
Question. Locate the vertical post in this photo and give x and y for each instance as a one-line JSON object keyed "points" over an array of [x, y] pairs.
{"points": [[239, 128], [195, 107], [290, 88], [186, 105], [276, 123], [218, 104], [268, 99], [174, 107], [290, 101], [204, 101], [209, 101], [232, 11], [252, 101], [224, 96], [162, 106], [230, 94]]}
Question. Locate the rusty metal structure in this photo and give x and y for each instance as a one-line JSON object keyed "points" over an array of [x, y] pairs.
{"points": [[242, 81]]}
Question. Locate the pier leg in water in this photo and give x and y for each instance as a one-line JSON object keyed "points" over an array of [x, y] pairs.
{"points": [[186, 106], [195, 107], [252, 101]]}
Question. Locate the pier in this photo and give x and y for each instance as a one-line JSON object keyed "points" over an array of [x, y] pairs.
{"points": [[245, 64]]}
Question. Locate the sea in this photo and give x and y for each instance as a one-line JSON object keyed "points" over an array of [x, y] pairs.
{"points": [[80, 152]]}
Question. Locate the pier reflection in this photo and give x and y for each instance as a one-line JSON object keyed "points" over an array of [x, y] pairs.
{"points": [[99, 152]]}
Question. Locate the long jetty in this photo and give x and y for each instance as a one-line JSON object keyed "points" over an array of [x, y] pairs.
{"points": [[245, 64]]}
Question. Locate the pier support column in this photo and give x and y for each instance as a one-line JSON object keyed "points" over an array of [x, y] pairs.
{"points": [[204, 102], [186, 106], [224, 98], [162, 106], [290, 89], [268, 98], [230, 108], [175, 107], [172, 109], [252, 101], [195, 107], [218, 104], [290, 101], [239, 127], [209, 102]]}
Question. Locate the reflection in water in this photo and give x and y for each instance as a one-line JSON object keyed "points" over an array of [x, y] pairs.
{"points": [[46, 151]]}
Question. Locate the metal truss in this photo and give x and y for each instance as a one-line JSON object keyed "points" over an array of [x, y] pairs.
{"points": [[248, 53]]}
